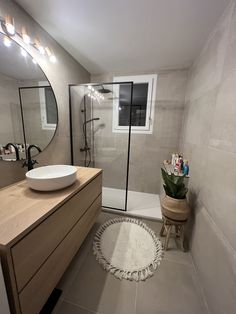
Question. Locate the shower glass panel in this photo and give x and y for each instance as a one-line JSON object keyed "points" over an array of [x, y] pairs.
{"points": [[96, 142]]}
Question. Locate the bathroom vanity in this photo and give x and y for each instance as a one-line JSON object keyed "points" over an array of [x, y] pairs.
{"points": [[40, 232]]}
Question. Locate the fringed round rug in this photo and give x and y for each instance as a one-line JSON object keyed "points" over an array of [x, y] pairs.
{"points": [[127, 248]]}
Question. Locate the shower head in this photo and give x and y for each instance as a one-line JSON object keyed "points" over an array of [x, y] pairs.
{"points": [[104, 90]]}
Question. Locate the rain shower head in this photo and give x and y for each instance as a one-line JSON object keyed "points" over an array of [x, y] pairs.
{"points": [[104, 90]]}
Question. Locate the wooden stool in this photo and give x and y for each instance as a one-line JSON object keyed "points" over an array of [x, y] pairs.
{"points": [[179, 231]]}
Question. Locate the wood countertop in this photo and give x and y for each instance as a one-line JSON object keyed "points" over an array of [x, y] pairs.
{"points": [[22, 208]]}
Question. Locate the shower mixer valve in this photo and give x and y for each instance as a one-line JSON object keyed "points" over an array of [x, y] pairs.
{"points": [[84, 149]]}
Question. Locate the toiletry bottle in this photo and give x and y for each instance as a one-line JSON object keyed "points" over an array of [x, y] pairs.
{"points": [[181, 161], [176, 158], [186, 168], [176, 168], [173, 159]]}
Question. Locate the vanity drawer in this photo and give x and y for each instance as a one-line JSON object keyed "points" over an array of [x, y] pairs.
{"points": [[35, 294], [33, 250]]}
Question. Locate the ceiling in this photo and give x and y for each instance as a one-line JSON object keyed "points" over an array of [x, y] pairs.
{"points": [[128, 36]]}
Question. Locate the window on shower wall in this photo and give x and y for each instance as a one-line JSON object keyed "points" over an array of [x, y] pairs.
{"points": [[142, 109]]}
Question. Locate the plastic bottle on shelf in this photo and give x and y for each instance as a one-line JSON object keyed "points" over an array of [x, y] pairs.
{"points": [[186, 168], [173, 159], [181, 162]]}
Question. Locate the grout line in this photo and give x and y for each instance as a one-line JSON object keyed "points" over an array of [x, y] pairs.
{"points": [[136, 296], [200, 287], [82, 307], [177, 262], [81, 256]]}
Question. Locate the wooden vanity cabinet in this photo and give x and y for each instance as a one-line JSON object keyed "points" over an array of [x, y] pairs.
{"points": [[40, 232]]}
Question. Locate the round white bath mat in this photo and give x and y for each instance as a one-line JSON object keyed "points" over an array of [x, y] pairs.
{"points": [[127, 248]]}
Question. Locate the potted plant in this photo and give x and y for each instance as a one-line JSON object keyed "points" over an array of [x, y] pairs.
{"points": [[174, 204]]}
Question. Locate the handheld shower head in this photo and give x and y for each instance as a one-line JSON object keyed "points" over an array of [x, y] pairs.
{"points": [[90, 120]]}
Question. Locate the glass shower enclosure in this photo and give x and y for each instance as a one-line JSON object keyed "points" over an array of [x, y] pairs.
{"points": [[100, 133]]}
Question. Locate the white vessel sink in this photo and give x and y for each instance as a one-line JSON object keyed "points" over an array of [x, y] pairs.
{"points": [[51, 178]]}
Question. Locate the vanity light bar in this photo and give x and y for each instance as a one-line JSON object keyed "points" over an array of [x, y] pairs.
{"points": [[8, 26]]}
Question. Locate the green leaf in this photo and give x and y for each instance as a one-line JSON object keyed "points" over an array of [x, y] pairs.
{"points": [[174, 185], [182, 193], [168, 192]]}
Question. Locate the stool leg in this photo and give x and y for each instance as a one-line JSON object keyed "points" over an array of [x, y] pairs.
{"points": [[162, 229], [176, 231], [167, 237], [182, 237]]}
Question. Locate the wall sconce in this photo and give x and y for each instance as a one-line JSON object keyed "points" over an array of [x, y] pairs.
{"points": [[51, 56], [25, 36], [8, 26], [39, 47]]}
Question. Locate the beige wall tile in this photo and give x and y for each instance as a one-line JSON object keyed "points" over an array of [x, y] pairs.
{"points": [[208, 139]]}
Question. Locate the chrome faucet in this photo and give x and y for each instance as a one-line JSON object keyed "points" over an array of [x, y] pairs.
{"points": [[16, 150], [31, 162]]}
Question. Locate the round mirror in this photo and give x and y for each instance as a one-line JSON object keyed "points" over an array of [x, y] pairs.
{"points": [[28, 109]]}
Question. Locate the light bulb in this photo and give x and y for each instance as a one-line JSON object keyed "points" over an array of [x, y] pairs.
{"points": [[89, 87], [26, 39], [7, 41], [51, 56], [41, 50], [9, 23], [53, 59], [40, 47], [89, 95], [25, 36], [23, 52]]}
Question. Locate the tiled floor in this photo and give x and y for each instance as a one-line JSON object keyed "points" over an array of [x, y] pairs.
{"points": [[87, 288], [140, 204]]}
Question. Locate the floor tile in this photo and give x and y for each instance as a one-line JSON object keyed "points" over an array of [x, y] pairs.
{"points": [[67, 308], [95, 289], [172, 289]]}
